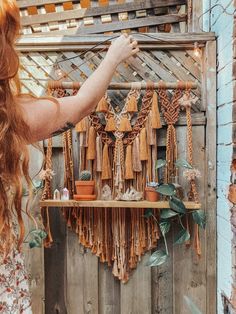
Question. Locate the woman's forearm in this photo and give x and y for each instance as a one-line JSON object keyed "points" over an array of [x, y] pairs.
{"points": [[96, 85]]}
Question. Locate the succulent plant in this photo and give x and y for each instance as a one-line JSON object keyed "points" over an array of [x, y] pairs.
{"points": [[85, 175]]}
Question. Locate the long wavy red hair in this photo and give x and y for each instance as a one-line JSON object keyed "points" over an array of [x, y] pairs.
{"points": [[14, 132]]}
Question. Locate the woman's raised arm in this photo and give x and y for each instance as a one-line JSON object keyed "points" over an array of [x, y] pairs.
{"points": [[45, 118]]}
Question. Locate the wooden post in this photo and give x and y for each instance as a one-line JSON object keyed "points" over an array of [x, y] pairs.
{"points": [[210, 168]]}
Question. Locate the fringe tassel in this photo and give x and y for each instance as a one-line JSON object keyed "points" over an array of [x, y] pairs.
{"points": [[129, 174], [197, 244], [137, 166], [111, 125], [102, 105], [106, 166], [143, 145], [91, 153], [82, 125], [132, 105], [125, 125], [156, 118], [98, 154]]}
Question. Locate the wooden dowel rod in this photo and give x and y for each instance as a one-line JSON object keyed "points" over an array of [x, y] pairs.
{"points": [[127, 85]]}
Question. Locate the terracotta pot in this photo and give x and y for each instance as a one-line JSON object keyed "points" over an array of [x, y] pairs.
{"points": [[151, 195], [84, 197], [85, 187], [232, 193]]}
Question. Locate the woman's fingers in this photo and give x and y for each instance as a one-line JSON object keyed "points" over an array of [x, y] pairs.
{"points": [[134, 43]]}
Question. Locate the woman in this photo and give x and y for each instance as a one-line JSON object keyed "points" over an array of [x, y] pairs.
{"points": [[25, 120]]}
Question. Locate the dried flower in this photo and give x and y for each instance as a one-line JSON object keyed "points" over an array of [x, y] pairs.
{"points": [[46, 174], [191, 174]]}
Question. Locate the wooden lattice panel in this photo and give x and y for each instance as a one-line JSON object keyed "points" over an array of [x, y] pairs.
{"points": [[167, 65], [103, 16]]}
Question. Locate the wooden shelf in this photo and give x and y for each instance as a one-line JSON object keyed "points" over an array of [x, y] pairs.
{"points": [[115, 204]]}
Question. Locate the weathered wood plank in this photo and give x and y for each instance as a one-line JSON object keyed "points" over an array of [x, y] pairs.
{"points": [[210, 186], [196, 23], [136, 293], [75, 42], [110, 9], [162, 282], [55, 257], [131, 24], [82, 278], [109, 291], [153, 38], [185, 260]]}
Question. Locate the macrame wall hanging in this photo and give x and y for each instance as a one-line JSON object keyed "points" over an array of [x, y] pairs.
{"points": [[119, 147]]}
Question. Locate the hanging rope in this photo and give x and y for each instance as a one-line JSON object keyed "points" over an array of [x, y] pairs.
{"points": [[170, 110]]}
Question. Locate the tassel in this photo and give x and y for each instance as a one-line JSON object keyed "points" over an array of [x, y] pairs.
{"points": [[82, 125], [106, 166], [102, 105], [155, 114], [132, 105], [111, 125], [91, 153], [128, 164], [137, 166], [125, 125], [143, 145], [99, 154]]}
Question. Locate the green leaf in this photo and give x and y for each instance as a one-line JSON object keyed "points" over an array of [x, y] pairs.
{"points": [[183, 163], [182, 236], [157, 258], [160, 163], [164, 227], [148, 213], [192, 306], [166, 189], [177, 205], [42, 234], [38, 184], [167, 213], [199, 218], [32, 244]]}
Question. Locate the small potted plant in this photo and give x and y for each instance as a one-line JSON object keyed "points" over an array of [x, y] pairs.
{"points": [[85, 186], [151, 194]]}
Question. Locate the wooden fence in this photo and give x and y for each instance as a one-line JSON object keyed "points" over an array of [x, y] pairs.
{"points": [[73, 281]]}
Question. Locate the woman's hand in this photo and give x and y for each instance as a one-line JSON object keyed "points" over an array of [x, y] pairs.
{"points": [[122, 48]]}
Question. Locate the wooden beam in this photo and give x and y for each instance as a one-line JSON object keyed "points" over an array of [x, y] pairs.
{"points": [[126, 85], [110, 9], [115, 204], [102, 47], [49, 42], [101, 28], [210, 184], [152, 38]]}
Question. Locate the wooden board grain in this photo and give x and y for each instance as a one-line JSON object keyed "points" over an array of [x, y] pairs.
{"points": [[136, 293], [109, 291], [55, 257], [210, 183], [189, 277]]}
